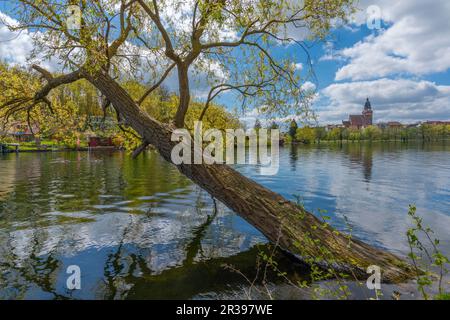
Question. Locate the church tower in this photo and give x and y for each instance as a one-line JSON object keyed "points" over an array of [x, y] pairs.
{"points": [[368, 113]]}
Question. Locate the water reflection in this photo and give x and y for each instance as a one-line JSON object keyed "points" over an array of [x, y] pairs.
{"points": [[370, 186], [138, 229], [133, 227], [361, 154], [293, 156]]}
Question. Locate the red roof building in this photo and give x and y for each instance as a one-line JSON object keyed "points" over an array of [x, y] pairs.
{"points": [[358, 121]]}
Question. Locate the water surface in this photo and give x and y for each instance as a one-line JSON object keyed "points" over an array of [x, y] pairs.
{"points": [[140, 230]]}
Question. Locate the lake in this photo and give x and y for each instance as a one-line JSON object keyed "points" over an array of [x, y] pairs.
{"points": [[138, 229]]}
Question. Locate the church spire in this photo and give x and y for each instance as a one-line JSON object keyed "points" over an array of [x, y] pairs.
{"points": [[367, 105], [368, 113]]}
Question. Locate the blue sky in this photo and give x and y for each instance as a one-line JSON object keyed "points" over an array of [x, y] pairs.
{"points": [[403, 67]]}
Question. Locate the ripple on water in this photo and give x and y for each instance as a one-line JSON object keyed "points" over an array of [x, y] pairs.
{"points": [[142, 224]]}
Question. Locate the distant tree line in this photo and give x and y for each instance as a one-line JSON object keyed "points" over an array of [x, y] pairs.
{"points": [[309, 134]]}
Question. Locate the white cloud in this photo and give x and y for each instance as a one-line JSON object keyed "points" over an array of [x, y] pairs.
{"points": [[308, 86], [417, 41], [403, 100], [249, 117], [414, 43], [298, 66], [14, 46]]}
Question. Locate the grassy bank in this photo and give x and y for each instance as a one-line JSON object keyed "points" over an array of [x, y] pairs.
{"points": [[45, 145]]}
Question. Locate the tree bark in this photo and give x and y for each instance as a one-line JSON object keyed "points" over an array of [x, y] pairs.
{"points": [[281, 221], [185, 96]]}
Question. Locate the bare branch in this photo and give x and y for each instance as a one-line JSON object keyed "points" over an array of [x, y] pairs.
{"points": [[156, 85], [261, 30], [242, 89]]}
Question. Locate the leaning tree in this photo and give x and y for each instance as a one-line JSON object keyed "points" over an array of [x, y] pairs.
{"points": [[227, 46]]}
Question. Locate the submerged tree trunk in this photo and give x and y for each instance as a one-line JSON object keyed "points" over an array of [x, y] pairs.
{"points": [[281, 221]]}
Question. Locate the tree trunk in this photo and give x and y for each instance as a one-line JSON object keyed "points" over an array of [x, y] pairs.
{"points": [[281, 221], [185, 96]]}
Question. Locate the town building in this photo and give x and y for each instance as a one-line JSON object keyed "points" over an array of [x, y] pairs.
{"points": [[363, 120], [20, 131], [437, 123]]}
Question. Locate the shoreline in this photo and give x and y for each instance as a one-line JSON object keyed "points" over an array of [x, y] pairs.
{"points": [[61, 150], [292, 144], [299, 143]]}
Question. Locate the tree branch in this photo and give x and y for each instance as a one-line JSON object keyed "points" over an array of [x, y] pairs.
{"points": [[140, 149], [156, 85], [26, 103], [242, 89], [124, 30], [170, 52], [53, 82]]}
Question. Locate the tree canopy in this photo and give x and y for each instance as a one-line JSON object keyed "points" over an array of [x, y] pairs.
{"points": [[225, 45]]}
